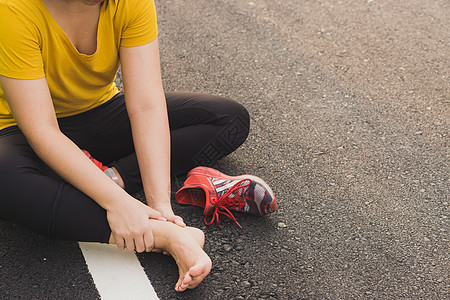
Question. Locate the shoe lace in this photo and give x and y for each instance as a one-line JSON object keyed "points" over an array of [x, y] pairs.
{"points": [[220, 207]]}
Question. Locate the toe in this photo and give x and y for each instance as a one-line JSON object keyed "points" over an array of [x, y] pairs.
{"points": [[186, 281], [177, 285], [202, 268], [198, 273], [183, 283]]}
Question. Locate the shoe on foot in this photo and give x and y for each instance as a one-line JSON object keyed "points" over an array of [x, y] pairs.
{"points": [[107, 170], [218, 193], [96, 162]]}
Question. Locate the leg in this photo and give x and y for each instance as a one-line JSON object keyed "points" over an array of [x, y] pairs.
{"points": [[34, 198], [204, 128], [49, 205]]}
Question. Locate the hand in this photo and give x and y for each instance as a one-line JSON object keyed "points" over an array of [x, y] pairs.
{"points": [[167, 212], [130, 226]]}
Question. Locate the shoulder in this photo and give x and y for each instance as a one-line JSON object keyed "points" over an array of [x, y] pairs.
{"points": [[21, 12], [25, 8], [130, 8], [21, 22]]}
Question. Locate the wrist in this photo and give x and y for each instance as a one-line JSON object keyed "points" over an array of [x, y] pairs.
{"points": [[161, 199], [160, 203], [118, 201]]}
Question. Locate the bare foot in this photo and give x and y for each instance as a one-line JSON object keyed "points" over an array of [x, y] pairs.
{"points": [[196, 233], [193, 263]]}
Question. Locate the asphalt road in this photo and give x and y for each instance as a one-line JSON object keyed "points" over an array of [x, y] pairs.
{"points": [[349, 102]]}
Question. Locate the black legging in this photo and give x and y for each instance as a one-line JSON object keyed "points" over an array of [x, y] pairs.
{"points": [[203, 128]]}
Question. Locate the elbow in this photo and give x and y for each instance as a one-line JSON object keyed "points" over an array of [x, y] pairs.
{"points": [[146, 106]]}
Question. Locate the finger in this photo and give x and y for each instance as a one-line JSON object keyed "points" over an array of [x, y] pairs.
{"points": [[169, 217], [148, 240], [179, 221], [154, 214], [139, 244], [129, 244], [120, 242]]}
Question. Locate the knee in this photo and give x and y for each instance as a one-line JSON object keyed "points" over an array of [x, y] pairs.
{"points": [[242, 120], [237, 126], [242, 114], [237, 114]]}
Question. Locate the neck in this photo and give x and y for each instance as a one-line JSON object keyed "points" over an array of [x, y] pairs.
{"points": [[73, 6]]}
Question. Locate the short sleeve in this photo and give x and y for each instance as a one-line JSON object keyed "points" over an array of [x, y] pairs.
{"points": [[20, 53], [141, 27]]}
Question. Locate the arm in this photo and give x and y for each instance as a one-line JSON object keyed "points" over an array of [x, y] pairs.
{"points": [[31, 104], [146, 106]]}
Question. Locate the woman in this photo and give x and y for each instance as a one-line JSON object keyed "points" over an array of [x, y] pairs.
{"points": [[58, 60]]}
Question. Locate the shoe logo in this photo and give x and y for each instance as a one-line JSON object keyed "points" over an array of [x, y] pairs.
{"points": [[221, 185]]}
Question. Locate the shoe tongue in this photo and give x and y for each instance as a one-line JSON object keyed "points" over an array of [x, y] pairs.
{"points": [[223, 185]]}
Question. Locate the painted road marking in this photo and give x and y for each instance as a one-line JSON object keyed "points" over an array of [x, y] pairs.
{"points": [[117, 274]]}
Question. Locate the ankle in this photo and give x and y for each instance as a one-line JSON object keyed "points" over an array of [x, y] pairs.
{"points": [[167, 235], [162, 235]]}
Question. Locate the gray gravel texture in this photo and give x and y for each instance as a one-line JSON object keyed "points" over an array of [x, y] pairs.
{"points": [[349, 102], [349, 107]]}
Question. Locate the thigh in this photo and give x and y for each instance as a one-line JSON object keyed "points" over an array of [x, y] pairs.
{"points": [[188, 109], [41, 202], [104, 131], [111, 130]]}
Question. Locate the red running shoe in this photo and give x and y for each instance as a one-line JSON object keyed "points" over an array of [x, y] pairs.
{"points": [[107, 170], [96, 162], [219, 193]]}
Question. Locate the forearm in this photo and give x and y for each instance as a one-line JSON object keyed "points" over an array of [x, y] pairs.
{"points": [[66, 159], [152, 143], [146, 106]]}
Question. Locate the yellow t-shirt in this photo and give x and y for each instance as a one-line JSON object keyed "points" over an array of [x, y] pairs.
{"points": [[32, 46]]}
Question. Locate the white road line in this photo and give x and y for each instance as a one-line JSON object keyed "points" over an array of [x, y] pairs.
{"points": [[117, 274]]}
